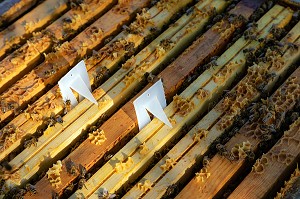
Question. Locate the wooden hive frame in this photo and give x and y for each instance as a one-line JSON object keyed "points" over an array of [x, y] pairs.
{"points": [[212, 186], [133, 159], [57, 63], [197, 141], [43, 109], [11, 10], [20, 30], [21, 61], [112, 179], [112, 130], [178, 35]]}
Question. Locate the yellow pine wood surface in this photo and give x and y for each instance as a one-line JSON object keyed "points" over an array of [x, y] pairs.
{"points": [[16, 64], [67, 55], [36, 19], [10, 11]]}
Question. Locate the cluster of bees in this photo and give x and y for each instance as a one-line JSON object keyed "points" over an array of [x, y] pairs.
{"points": [[74, 170]]}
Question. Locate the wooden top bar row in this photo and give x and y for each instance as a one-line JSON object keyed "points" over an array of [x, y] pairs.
{"points": [[230, 72]]}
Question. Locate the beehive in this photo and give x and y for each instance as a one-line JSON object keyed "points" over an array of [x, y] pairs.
{"points": [[231, 79]]}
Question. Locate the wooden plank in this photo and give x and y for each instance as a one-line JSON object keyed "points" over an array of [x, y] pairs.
{"points": [[42, 108], [70, 52], [221, 169], [12, 9], [40, 16], [17, 64], [146, 61], [155, 135], [281, 158], [291, 186], [87, 153], [185, 154]]}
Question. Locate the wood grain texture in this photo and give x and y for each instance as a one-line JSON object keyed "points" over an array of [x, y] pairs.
{"points": [[282, 158], [17, 64], [78, 154], [12, 9], [186, 153], [40, 16], [222, 171], [43, 107], [35, 82]]}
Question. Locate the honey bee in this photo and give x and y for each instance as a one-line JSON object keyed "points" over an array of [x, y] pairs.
{"points": [[71, 167], [51, 121], [75, 3], [221, 150], [292, 46], [230, 157], [17, 193], [55, 195], [107, 157], [294, 116], [189, 10], [82, 178], [104, 194], [107, 40], [58, 119], [69, 188], [166, 43], [68, 106], [250, 155], [171, 189], [6, 166], [49, 73], [30, 189], [67, 20], [261, 87], [81, 183], [31, 141], [205, 161], [150, 77], [3, 109], [212, 64], [270, 75], [82, 171], [266, 137]]}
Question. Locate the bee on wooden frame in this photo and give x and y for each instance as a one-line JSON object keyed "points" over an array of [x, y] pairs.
{"points": [[68, 106], [30, 189], [71, 167], [31, 141], [82, 179], [171, 189]]}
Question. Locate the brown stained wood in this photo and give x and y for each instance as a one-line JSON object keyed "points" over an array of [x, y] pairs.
{"points": [[260, 185], [220, 168], [17, 64], [35, 82], [127, 115], [12, 9], [125, 127], [40, 16], [291, 188], [246, 8]]}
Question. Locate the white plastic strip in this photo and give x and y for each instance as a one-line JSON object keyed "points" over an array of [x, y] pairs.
{"points": [[77, 79], [154, 101]]}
